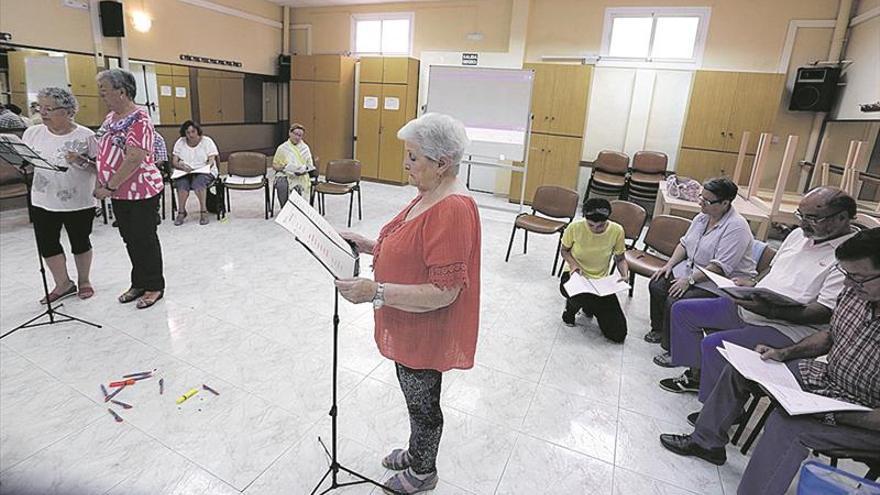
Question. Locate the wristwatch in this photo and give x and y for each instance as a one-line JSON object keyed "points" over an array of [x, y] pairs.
{"points": [[379, 298], [691, 280]]}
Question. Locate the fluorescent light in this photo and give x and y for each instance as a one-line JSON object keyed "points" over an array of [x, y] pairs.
{"points": [[141, 21]]}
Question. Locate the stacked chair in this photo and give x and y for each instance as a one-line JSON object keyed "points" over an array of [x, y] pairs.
{"points": [[609, 175], [648, 170]]}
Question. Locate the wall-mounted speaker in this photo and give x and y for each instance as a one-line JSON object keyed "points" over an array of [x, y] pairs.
{"points": [[283, 68], [112, 21], [814, 89]]}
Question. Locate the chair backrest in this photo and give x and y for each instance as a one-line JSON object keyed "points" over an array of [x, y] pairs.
{"points": [[765, 259], [314, 173], [555, 201], [343, 171], [650, 162], [247, 164], [664, 232], [630, 216], [863, 222], [612, 162]]}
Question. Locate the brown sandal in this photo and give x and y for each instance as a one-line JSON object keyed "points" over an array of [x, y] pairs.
{"points": [[85, 292], [57, 296], [144, 303], [130, 295]]}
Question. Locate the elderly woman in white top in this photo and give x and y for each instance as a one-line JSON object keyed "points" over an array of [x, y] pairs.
{"points": [[194, 160], [718, 240], [63, 199], [292, 164]]}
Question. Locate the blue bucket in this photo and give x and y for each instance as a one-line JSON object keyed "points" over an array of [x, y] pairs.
{"points": [[821, 479]]}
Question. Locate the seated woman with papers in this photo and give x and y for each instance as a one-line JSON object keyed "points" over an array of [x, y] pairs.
{"points": [[587, 248], [292, 164]]}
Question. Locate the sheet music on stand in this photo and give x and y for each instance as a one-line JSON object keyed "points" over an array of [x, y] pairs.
{"points": [[20, 155], [319, 238]]}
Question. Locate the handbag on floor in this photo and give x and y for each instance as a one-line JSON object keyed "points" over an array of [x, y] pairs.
{"points": [[821, 479]]}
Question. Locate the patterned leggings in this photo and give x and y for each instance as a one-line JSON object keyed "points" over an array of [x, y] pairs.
{"points": [[421, 389]]}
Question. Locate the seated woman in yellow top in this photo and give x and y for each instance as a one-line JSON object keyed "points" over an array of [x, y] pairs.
{"points": [[292, 164], [587, 247]]}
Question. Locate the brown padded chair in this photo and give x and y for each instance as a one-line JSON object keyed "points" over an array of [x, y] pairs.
{"points": [[609, 173], [766, 257], [313, 179], [631, 217], [550, 201], [663, 235], [247, 164], [648, 169], [342, 177]]}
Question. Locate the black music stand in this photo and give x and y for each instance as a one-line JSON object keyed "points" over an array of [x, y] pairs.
{"points": [[25, 159]]}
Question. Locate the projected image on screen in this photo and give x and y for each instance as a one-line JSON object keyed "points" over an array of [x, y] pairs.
{"points": [[493, 104]]}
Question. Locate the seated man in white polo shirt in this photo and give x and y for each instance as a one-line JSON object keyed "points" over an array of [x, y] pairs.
{"points": [[803, 269]]}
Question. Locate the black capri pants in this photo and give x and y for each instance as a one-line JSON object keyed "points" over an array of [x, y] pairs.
{"points": [[77, 223]]}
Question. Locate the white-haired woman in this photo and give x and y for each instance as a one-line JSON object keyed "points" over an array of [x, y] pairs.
{"points": [[63, 199], [426, 293], [128, 174]]}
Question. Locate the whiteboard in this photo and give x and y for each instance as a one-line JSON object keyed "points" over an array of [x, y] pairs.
{"points": [[493, 104]]}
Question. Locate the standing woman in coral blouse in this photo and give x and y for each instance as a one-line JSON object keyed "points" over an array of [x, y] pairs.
{"points": [[426, 293], [127, 173]]}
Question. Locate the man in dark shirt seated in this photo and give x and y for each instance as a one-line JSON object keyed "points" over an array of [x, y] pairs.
{"points": [[852, 374]]}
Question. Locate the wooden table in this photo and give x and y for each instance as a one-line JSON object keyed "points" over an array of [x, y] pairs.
{"points": [[757, 217]]}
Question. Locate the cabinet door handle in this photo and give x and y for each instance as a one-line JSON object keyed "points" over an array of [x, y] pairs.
{"points": [[722, 133], [552, 118], [546, 117]]}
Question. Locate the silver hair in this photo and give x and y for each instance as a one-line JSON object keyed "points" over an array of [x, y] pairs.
{"points": [[119, 79], [62, 97], [439, 136]]}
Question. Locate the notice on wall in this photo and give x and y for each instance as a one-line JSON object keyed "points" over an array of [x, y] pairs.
{"points": [[371, 102], [164, 90], [469, 59], [180, 91], [392, 103]]}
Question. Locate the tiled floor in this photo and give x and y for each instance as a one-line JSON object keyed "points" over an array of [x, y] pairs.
{"points": [[548, 409]]}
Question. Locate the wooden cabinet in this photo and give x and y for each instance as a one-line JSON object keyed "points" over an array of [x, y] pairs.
{"points": [[388, 95], [722, 106], [174, 109], [81, 72], [17, 71], [703, 164], [322, 100], [559, 98], [559, 105], [550, 163], [91, 111], [221, 96]]}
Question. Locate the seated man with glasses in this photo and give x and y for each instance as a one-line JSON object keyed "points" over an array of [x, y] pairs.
{"points": [[851, 374], [803, 270]]}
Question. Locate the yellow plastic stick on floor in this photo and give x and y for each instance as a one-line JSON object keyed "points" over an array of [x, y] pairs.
{"points": [[187, 395]]}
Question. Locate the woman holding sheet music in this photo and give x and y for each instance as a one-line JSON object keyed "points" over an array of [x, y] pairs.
{"points": [[426, 292], [588, 245]]}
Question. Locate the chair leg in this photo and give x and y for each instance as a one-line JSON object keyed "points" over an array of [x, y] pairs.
{"points": [[103, 210], [510, 244], [360, 211], [525, 241], [758, 427], [873, 474], [228, 201], [833, 462], [556, 258], [632, 282], [272, 201], [350, 204], [750, 410], [266, 201]]}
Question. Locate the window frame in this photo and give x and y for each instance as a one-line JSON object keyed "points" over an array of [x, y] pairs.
{"points": [[386, 16], [703, 13]]}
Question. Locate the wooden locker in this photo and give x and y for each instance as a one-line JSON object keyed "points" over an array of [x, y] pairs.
{"points": [[232, 100], [182, 106], [535, 173], [209, 100], [368, 122], [542, 96], [91, 111], [391, 148], [756, 102], [562, 161], [712, 98], [167, 112], [328, 68], [328, 106], [396, 70], [302, 67], [571, 87], [371, 69], [179, 70], [164, 70], [701, 164], [302, 104], [81, 71], [20, 99], [17, 72]]}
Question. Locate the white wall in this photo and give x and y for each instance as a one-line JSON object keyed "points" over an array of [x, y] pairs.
{"points": [[862, 77]]}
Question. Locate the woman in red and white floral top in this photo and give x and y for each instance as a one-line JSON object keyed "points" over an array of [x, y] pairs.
{"points": [[426, 295], [127, 174]]}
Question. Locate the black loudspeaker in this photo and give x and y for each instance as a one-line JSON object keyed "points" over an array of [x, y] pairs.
{"points": [[283, 68], [112, 21], [814, 89]]}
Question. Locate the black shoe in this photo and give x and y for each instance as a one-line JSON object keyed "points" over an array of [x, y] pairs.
{"points": [[653, 337], [693, 417], [680, 384], [568, 319], [686, 446]]}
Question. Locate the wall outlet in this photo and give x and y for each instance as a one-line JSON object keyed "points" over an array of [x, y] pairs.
{"points": [[77, 4]]}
